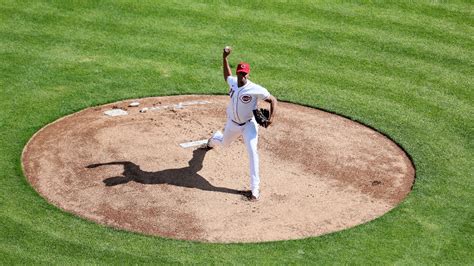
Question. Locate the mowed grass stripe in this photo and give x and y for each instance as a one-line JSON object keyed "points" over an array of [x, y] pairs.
{"points": [[351, 23], [132, 47], [74, 55], [347, 28]]}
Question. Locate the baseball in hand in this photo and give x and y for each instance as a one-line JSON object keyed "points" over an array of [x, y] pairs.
{"points": [[227, 49]]}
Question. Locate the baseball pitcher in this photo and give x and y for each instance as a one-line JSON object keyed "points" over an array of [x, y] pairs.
{"points": [[243, 117]]}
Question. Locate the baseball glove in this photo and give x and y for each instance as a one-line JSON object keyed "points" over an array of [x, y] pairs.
{"points": [[262, 116]]}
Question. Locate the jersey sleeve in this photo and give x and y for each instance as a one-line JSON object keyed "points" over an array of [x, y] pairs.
{"points": [[231, 81], [262, 93]]}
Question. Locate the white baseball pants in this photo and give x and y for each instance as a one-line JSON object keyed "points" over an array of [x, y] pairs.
{"points": [[249, 132]]}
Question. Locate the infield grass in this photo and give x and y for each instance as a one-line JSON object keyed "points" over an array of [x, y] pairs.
{"points": [[404, 68]]}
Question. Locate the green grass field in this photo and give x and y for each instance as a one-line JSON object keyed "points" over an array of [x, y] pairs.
{"points": [[405, 69]]}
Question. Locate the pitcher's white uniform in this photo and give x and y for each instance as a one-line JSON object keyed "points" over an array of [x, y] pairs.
{"points": [[241, 121]]}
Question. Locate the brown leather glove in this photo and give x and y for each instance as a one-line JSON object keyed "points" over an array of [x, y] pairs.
{"points": [[262, 117]]}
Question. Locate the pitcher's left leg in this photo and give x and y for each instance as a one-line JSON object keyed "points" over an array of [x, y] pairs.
{"points": [[250, 136]]}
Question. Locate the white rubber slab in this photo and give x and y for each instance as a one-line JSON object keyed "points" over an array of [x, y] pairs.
{"points": [[193, 143], [116, 112]]}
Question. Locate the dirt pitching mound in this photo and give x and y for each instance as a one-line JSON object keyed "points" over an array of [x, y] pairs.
{"points": [[318, 175]]}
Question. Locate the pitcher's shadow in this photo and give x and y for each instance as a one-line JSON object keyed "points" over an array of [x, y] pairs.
{"points": [[182, 177]]}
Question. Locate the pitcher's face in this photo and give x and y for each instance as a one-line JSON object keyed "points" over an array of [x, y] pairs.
{"points": [[242, 77]]}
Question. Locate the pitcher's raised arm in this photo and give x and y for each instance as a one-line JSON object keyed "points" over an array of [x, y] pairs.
{"points": [[225, 63]]}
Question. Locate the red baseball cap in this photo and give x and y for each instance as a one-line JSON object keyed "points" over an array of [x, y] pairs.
{"points": [[243, 67]]}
